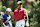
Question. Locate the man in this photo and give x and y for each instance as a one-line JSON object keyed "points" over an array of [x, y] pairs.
{"points": [[6, 17], [20, 15]]}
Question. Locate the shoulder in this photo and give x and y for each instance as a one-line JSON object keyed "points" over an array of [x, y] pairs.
{"points": [[16, 10], [4, 15], [24, 9]]}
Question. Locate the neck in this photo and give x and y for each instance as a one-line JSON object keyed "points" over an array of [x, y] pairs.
{"points": [[19, 7], [7, 14]]}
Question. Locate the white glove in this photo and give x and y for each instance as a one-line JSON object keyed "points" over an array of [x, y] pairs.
{"points": [[27, 23]]}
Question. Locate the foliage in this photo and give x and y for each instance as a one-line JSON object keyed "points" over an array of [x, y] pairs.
{"points": [[33, 10]]}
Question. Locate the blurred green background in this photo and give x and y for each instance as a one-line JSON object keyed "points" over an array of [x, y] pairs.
{"points": [[32, 7]]}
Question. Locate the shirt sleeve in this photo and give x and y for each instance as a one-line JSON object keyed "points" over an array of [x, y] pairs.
{"points": [[25, 13], [3, 17]]}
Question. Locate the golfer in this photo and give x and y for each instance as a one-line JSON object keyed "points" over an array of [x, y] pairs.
{"points": [[6, 17], [20, 14]]}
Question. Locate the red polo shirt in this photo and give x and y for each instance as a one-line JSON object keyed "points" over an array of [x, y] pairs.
{"points": [[20, 13]]}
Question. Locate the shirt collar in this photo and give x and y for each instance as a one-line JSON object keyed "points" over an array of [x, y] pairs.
{"points": [[20, 8]]}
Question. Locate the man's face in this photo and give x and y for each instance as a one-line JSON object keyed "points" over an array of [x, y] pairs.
{"points": [[8, 12], [19, 5]]}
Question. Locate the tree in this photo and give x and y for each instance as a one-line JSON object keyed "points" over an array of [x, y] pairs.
{"points": [[35, 15], [4, 2]]}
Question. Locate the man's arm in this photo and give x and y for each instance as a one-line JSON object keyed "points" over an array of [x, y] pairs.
{"points": [[10, 19], [26, 14], [3, 20], [3, 23]]}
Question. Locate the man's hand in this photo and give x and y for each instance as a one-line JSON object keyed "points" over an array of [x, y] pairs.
{"points": [[6, 22], [27, 23], [5, 26]]}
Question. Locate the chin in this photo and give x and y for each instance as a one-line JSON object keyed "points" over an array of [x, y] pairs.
{"points": [[9, 14]]}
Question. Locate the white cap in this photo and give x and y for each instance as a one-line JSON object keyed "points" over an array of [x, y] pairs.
{"points": [[19, 2], [8, 9]]}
